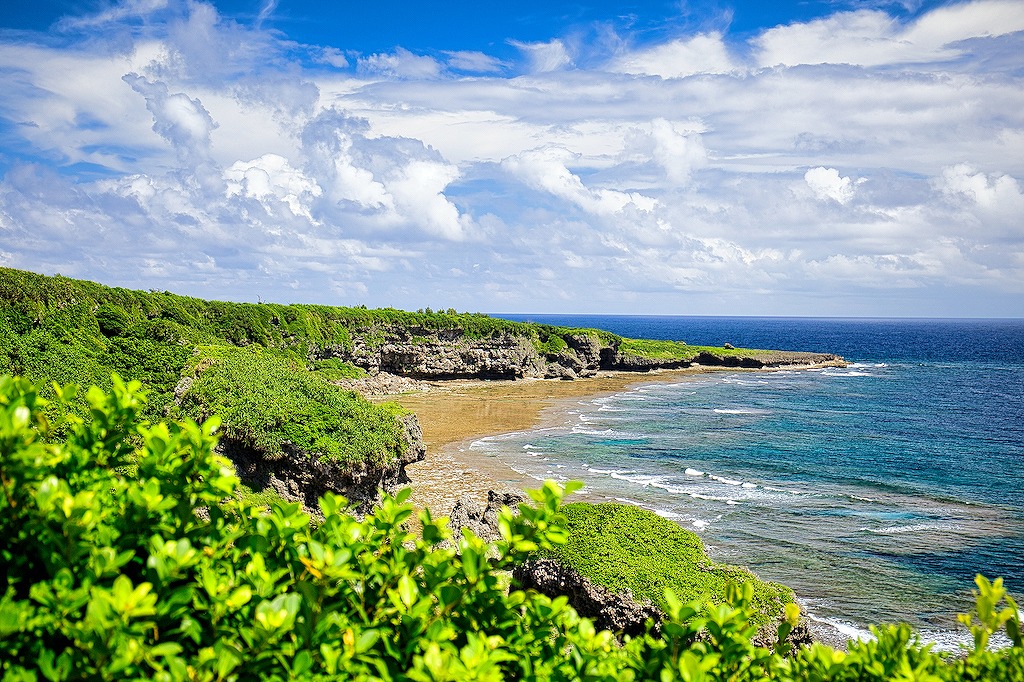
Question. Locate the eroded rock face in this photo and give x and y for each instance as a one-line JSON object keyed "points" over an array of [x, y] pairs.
{"points": [[618, 612], [426, 354], [438, 356], [298, 477]]}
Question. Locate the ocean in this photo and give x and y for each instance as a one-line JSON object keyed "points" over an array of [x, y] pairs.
{"points": [[876, 491]]}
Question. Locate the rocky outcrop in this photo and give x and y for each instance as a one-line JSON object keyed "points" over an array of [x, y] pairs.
{"points": [[619, 612], [610, 611], [299, 477], [467, 513], [426, 354]]}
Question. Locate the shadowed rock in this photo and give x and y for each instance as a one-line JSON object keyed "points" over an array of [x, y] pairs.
{"points": [[299, 477], [483, 521], [619, 612]]}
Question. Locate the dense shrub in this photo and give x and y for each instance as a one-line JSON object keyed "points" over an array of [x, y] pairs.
{"points": [[269, 401], [102, 578], [624, 547]]}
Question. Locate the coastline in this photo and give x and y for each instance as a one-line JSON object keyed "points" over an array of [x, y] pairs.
{"points": [[455, 414]]}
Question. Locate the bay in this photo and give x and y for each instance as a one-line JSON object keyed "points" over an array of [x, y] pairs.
{"points": [[877, 491]]}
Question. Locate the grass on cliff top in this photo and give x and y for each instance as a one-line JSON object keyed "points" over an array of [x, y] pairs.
{"points": [[268, 401], [625, 547], [677, 350]]}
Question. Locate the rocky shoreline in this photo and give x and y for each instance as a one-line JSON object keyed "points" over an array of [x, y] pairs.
{"points": [[456, 480]]}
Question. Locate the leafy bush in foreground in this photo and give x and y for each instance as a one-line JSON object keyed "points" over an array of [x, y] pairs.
{"points": [[107, 578]]}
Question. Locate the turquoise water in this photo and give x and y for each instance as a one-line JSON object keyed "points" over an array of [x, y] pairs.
{"points": [[876, 491]]}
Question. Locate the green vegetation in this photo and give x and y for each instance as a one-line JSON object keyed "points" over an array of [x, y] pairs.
{"points": [[625, 547], [549, 343], [275, 393], [659, 350], [677, 350], [106, 577], [73, 331], [269, 401]]}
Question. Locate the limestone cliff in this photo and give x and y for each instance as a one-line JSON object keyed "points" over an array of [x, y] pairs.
{"points": [[428, 354]]}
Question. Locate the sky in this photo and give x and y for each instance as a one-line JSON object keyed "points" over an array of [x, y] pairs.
{"points": [[810, 157]]}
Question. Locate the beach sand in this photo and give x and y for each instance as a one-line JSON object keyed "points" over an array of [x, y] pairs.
{"points": [[454, 414]]}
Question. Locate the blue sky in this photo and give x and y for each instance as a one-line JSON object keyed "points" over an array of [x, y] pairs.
{"points": [[791, 158]]}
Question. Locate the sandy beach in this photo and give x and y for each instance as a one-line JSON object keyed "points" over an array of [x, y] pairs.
{"points": [[453, 414]]}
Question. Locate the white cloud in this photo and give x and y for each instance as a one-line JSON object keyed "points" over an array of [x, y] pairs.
{"points": [[331, 56], [546, 169], [270, 179], [991, 204], [702, 53], [418, 190], [678, 153], [545, 57], [872, 37], [178, 118], [327, 143], [474, 62], [987, 191], [826, 183], [400, 64]]}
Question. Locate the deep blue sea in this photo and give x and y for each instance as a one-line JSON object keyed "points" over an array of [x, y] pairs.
{"points": [[875, 491]]}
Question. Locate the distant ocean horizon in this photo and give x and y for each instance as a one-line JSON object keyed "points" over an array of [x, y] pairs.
{"points": [[876, 491]]}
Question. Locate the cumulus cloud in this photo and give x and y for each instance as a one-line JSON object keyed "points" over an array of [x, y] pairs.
{"points": [[678, 153], [270, 180], [178, 118], [546, 169], [328, 145], [418, 190], [988, 191], [992, 204], [398, 181], [702, 53], [826, 183]]}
